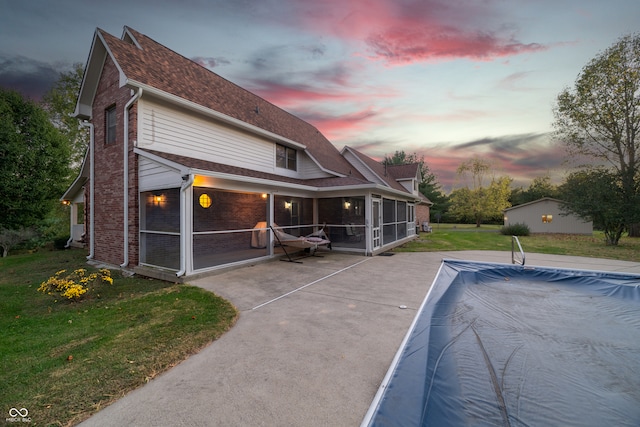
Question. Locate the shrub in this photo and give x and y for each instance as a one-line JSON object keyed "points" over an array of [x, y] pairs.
{"points": [[517, 229], [12, 238], [60, 243], [74, 285]]}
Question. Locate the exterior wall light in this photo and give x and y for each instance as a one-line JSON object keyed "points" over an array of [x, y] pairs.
{"points": [[158, 199], [264, 196], [287, 205], [347, 205], [205, 201]]}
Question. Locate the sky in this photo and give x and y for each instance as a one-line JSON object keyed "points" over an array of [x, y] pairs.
{"points": [[446, 80]]}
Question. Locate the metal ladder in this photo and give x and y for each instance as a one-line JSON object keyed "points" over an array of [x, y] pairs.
{"points": [[517, 257]]}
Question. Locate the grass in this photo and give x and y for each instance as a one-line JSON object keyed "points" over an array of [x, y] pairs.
{"points": [[450, 237], [65, 360]]}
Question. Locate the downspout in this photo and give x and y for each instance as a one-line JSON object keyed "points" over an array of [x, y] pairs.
{"points": [[92, 234], [187, 181], [125, 167]]}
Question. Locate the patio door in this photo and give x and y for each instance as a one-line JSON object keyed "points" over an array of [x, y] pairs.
{"points": [[375, 221]]}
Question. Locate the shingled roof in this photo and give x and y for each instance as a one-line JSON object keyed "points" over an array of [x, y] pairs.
{"points": [[408, 171], [142, 60], [214, 167], [384, 173]]}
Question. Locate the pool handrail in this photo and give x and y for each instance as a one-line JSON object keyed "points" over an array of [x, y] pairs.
{"points": [[514, 259]]}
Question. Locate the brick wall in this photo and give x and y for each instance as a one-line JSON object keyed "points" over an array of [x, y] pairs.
{"points": [[422, 214], [108, 199]]}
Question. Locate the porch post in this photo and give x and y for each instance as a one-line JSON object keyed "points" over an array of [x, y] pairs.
{"points": [[368, 232], [269, 213], [186, 227]]}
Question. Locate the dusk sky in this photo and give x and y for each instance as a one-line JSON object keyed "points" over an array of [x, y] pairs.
{"points": [[445, 79]]}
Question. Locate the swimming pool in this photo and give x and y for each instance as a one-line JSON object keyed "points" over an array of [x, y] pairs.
{"points": [[501, 344]]}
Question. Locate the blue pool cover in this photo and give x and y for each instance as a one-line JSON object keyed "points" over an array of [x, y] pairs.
{"points": [[507, 345]]}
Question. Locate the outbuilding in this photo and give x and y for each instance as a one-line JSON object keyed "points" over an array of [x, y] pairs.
{"points": [[546, 216]]}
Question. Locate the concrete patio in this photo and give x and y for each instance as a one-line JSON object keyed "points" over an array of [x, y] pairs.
{"points": [[311, 346]]}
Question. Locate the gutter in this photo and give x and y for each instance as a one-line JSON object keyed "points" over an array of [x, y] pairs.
{"points": [[187, 181], [304, 187], [92, 234], [126, 176]]}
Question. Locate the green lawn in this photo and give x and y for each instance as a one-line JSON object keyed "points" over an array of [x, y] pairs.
{"points": [[65, 360], [449, 237]]}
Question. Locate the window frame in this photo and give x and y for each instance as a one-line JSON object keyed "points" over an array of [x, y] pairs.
{"points": [[110, 129], [286, 157]]}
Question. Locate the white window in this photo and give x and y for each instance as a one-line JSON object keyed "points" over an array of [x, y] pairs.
{"points": [[286, 157]]}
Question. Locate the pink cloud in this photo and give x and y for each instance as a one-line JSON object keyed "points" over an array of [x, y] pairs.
{"points": [[521, 157], [336, 127], [353, 115], [417, 31], [327, 85], [407, 45], [290, 96]]}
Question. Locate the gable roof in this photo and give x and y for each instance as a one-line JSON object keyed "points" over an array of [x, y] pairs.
{"points": [[142, 62], [544, 199], [384, 173]]}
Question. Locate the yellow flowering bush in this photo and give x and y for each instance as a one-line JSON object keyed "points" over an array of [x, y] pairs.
{"points": [[75, 284]]}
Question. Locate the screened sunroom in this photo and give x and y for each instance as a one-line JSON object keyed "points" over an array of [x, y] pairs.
{"points": [[222, 227]]}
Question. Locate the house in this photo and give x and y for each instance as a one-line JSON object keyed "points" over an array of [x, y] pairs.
{"points": [[186, 171], [545, 216]]}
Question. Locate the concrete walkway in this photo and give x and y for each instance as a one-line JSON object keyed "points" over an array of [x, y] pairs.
{"points": [[312, 344]]}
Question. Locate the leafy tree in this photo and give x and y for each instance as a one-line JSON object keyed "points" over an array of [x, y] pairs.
{"points": [[540, 187], [402, 158], [600, 119], [60, 103], [34, 160], [594, 194], [479, 202]]}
